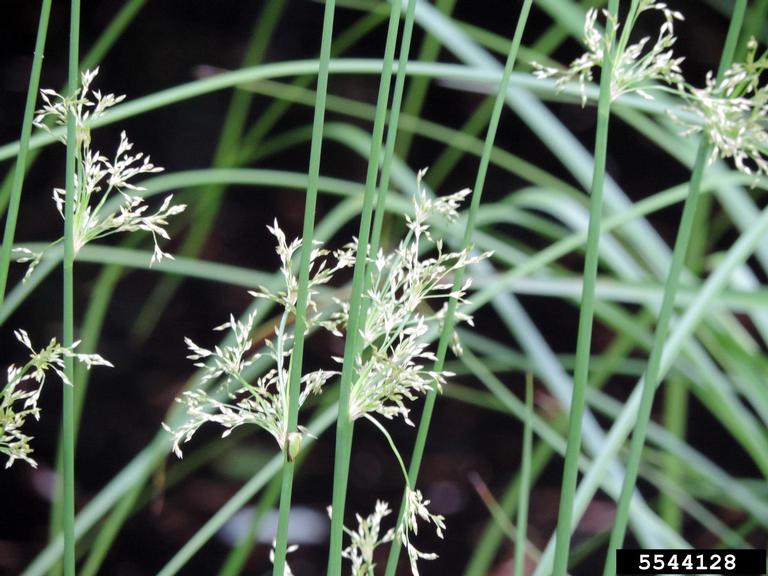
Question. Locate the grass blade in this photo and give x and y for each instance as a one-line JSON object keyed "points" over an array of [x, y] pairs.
{"points": [[308, 235], [447, 332]]}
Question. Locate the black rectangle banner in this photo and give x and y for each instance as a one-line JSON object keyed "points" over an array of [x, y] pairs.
{"points": [[661, 561]]}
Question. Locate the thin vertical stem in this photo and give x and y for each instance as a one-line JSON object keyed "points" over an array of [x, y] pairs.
{"points": [[587, 311], [394, 121], [21, 159], [308, 233], [525, 480], [448, 325], [345, 425], [653, 370], [68, 416]]}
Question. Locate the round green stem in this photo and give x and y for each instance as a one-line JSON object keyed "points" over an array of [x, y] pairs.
{"points": [[21, 159], [586, 314], [345, 425], [651, 378], [302, 297], [68, 416], [447, 332]]}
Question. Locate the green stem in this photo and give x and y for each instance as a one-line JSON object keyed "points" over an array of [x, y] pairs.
{"points": [[21, 159], [525, 480], [302, 297], [651, 378], [68, 416], [674, 420], [392, 445], [447, 332], [587, 312], [392, 129], [345, 425]]}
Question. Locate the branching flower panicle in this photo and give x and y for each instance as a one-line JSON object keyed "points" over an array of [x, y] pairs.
{"points": [[391, 369], [97, 176], [264, 402], [640, 67], [732, 113], [320, 273], [416, 510], [19, 401], [366, 538]]}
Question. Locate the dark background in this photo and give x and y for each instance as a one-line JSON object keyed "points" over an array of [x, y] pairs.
{"points": [[165, 46]]}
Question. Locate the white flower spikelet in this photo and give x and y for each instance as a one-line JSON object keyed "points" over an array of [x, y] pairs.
{"points": [[97, 176], [320, 273], [732, 113], [391, 369], [416, 510], [366, 538], [18, 400], [640, 67], [369, 534]]}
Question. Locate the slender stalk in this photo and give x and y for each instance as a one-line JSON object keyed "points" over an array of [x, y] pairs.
{"points": [[587, 312], [68, 416], [393, 126], [308, 234], [479, 564], [525, 480], [447, 332], [652, 374], [345, 424], [21, 159]]}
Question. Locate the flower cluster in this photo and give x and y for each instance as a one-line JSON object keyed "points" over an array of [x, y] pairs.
{"points": [[406, 293], [639, 67], [13, 442], [97, 176], [264, 402], [320, 273], [365, 540], [415, 510], [732, 113], [368, 536], [391, 365]]}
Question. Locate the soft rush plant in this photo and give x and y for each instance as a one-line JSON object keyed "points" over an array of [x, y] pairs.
{"points": [[611, 54], [389, 363], [730, 132], [390, 367]]}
